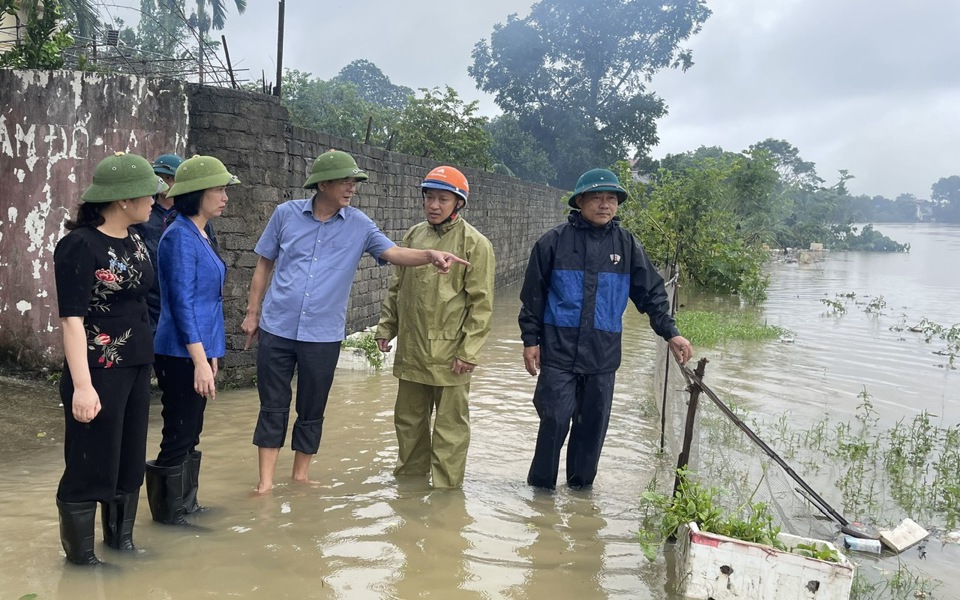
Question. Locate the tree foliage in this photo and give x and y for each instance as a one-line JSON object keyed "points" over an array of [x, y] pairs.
{"points": [[216, 17], [44, 41], [691, 218], [373, 86], [518, 151], [575, 74], [334, 107], [441, 126], [719, 212], [793, 170], [159, 45], [946, 193]]}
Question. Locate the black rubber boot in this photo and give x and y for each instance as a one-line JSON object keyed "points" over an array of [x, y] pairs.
{"points": [[77, 522], [165, 493], [191, 483], [117, 518]]}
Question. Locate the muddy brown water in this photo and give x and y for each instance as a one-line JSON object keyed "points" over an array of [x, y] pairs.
{"points": [[358, 532]]}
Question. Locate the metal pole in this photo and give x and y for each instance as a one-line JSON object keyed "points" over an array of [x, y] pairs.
{"points": [[226, 52], [276, 88]]}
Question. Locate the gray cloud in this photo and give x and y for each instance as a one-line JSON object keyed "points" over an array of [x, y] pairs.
{"points": [[871, 87]]}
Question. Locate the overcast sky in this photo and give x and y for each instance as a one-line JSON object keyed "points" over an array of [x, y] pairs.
{"points": [[869, 86]]}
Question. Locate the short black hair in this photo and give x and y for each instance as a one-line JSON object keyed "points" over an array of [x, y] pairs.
{"points": [[188, 204]]}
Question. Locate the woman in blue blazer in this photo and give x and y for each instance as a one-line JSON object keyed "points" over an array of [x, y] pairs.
{"points": [[190, 334]]}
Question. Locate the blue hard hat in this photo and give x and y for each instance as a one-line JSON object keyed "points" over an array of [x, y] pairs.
{"points": [[166, 164]]}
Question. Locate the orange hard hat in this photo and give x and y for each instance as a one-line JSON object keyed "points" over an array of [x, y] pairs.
{"points": [[447, 178]]}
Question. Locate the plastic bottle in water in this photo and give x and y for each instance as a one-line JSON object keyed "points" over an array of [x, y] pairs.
{"points": [[861, 545]]}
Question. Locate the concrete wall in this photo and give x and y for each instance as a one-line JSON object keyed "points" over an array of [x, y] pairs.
{"points": [[252, 135], [54, 128]]}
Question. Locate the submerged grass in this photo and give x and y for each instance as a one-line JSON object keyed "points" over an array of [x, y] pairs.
{"points": [[710, 329]]}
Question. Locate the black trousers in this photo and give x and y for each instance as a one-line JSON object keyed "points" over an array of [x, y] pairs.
{"points": [[563, 398], [182, 410], [315, 363], [106, 455]]}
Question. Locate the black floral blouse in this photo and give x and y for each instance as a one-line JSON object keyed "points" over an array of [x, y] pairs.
{"points": [[105, 280]]}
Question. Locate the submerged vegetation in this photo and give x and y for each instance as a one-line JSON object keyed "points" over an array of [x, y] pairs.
{"points": [[704, 328], [945, 339]]}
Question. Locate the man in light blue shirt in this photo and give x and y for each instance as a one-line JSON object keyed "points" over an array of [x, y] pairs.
{"points": [[312, 247]]}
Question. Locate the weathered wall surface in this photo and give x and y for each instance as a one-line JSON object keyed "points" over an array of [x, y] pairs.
{"points": [[50, 144], [54, 128]]}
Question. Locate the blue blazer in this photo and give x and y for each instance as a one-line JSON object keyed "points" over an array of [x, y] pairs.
{"points": [[191, 278]]}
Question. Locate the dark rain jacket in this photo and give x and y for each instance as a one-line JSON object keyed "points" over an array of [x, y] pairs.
{"points": [[575, 292]]}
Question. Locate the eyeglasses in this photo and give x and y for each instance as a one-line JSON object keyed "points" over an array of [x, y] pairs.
{"points": [[347, 183]]}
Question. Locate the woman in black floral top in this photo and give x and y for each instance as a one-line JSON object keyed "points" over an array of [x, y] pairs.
{"points": [[103, 275]]}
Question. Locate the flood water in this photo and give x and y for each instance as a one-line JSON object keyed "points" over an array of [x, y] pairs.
{"points": [[358, 532]]}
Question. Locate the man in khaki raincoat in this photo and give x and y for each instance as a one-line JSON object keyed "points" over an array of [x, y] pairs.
{"points": [[441, 322]]}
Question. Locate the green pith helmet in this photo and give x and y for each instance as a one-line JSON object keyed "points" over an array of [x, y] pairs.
{"points": [[201, 173], [123, 177], [597, 180], [333, 164]]}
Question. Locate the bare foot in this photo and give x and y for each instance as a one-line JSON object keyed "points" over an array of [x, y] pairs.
{"points": [[301, 466], [263, 487]]}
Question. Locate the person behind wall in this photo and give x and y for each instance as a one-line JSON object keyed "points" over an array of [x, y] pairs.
{"points": [[441, 323], [102, 276], [190, 334], [313, 248], [162, 214], [575, 291]]}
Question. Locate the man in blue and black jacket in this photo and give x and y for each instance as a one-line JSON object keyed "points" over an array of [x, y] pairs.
{"points": [[576, 288]]}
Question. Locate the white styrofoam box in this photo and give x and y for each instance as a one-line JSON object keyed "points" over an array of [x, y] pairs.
{"points": [[354, 359], [716, 567]]}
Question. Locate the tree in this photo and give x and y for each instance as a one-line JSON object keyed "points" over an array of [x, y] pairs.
{"points": [[946, 193], [574, 73], [373, 86], [518, 151], [160, 45], [45, 40], [334, 107], [793, 170], [695, 211], [218, 14], [439, 125], [201, 21]]}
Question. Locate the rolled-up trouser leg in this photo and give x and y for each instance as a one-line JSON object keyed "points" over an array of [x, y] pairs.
{"points": [[276, 361], [555, 401], [594, 399], [451, 436], [411, 419], [316, 365]]}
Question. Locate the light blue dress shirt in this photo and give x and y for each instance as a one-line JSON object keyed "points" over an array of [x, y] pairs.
{"points": [[314, 269]]}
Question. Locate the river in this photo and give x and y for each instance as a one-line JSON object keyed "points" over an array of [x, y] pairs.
{"points": [[356, 532]]}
